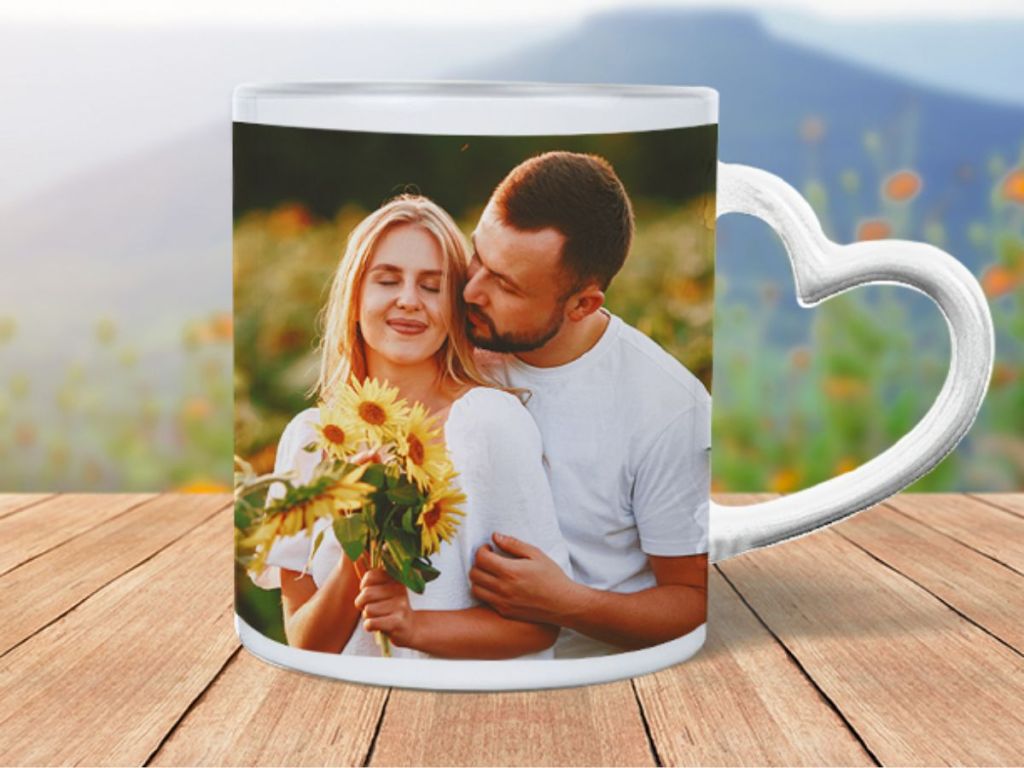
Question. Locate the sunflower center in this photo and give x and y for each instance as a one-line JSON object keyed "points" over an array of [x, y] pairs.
{"points": [[432, 515], [334, 433], [372, 413], [416, 452]]}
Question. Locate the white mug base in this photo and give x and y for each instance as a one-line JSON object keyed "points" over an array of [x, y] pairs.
{"points": [[472, 675]]}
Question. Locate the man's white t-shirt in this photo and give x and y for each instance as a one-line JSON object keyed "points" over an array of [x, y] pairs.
{"points": [[626, 430]]}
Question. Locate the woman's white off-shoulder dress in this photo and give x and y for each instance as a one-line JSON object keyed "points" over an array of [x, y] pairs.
{"points": [[496, 449]]}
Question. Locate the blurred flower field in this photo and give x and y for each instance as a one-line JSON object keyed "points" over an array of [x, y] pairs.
{"points": [[107, 423], [786, 415]]}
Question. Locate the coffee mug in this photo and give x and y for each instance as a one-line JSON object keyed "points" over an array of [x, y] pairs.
{"points": [[473, 356]]}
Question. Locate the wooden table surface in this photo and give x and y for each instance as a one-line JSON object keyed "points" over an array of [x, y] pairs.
{"points": [[893, 638]]}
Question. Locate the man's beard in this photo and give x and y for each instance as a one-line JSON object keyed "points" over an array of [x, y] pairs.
{"points": [[512, 342]]}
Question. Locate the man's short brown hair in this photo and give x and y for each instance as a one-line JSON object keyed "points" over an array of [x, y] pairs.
{"points": [[581, 197]]}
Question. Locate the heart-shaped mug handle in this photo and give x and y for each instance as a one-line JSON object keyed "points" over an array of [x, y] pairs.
{"points": [[823, 269]]}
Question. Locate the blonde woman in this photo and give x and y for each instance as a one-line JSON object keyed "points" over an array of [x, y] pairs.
{"points": [[395, 313]]}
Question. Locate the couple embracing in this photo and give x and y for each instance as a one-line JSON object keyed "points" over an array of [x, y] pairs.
{"points": [[581, 446]]}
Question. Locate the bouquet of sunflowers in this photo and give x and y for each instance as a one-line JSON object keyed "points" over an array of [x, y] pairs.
{"points": [[384, 480]]}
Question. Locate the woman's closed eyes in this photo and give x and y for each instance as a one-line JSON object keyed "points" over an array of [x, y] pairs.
{"points": [[388, 276]]}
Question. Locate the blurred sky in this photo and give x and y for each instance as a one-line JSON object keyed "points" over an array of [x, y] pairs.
{"points": [[449, 11], [85, 84]]}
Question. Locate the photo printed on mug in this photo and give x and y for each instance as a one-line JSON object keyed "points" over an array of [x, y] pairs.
{"points": [[472, 387]]}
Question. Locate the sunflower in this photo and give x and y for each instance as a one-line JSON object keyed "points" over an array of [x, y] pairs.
{"points": [[375, 409], [327, 495], [439, 519], [338, 431], [426, 460]]}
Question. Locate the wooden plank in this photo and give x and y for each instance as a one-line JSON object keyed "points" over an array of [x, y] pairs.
{"points": [[918, 683], [742, 700], [104, 684], [593, 725], [987, 528], [1011, 502], [983, 590], [257, 714], [30, 531], [12, 502], [37, 592]]}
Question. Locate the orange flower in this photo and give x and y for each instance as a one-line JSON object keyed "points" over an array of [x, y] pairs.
{"points": [[901, 186], [263, 460], [846, 464], [844, 387], [800, 357], [1003, 374], [873, 229], [203, 486], [998, 281], [687, 290], [785, 481], [221, 326], [196, 409], [1013, 186], [289, 220], [812, 129], [25, 435]]}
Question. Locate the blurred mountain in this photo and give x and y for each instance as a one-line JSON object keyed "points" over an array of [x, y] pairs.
{"points": [[147, 239], [798, 112], [973, 55]]}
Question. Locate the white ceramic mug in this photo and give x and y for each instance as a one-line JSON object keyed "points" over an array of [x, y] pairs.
{"points": [[390, 115]]}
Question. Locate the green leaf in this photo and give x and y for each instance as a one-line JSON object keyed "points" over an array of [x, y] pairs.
{"points": [[409, 543], [351, 532], [415, 581], [425, 569], [243, 515], [393, 567], [402, 568], [316, 543], [405, 495], [397, 548], [374, 475], [407, 520]]}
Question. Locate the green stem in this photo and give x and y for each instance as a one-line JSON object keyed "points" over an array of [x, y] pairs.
{"points": [[377, 561]]}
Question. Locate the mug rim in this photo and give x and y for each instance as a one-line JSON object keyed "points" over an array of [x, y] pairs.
{"points": [[474, 107], [469, 89]]}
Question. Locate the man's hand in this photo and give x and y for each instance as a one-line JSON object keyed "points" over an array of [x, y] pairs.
{"points": [[528, 586], [385, 606]]}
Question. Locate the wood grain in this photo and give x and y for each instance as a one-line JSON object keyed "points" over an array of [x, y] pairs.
{"points": [[594, 725], [40, 590], [1012, 502], [982, 589], [127, 655], [28, 532], [257, 714], [918, 683], [983, 526], [105, 683], [12, 502], [742, 700]]}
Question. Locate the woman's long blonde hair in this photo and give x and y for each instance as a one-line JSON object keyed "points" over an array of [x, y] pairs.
{"points": [[342, 353]]}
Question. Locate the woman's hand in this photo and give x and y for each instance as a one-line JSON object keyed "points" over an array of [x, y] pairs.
{"points": [[385, 606]]}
